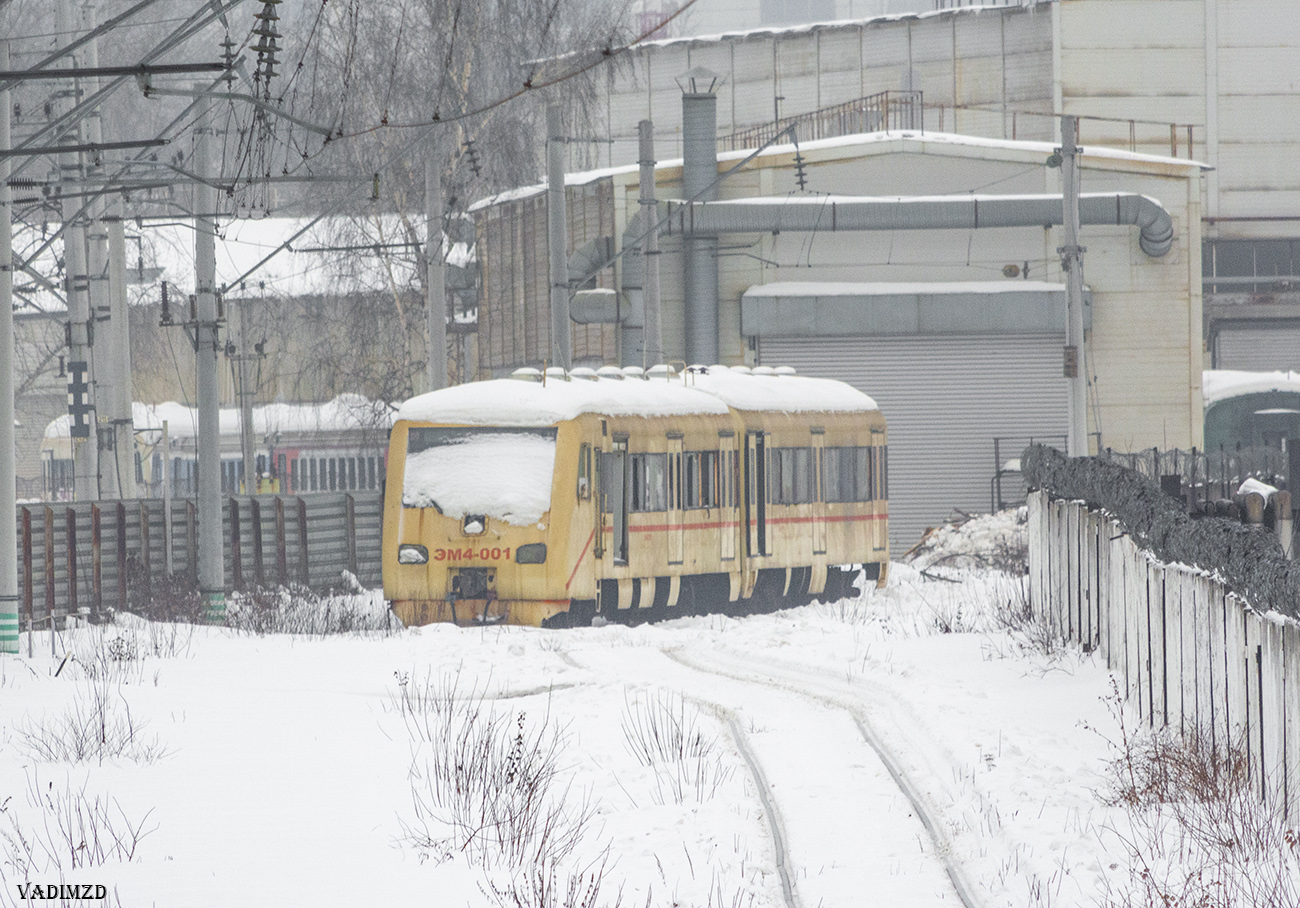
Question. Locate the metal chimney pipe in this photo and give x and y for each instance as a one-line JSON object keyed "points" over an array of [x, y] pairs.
{"points": [[653, 336], [558, 239], [699, 170]]}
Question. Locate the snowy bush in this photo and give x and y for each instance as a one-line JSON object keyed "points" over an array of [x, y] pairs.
{"points": [[299, 610], [1193, 828], [65, 829], [662, 732], [485, 784], [98, 725]]}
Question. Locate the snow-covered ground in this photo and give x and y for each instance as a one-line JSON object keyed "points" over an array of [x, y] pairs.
{"points": [[885, 750]]}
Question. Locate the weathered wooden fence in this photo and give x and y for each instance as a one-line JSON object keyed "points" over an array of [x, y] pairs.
{"points": [[1193, 656], [96, 554]]}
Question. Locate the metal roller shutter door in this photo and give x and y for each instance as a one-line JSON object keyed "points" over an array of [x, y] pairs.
{"points": [[945, 399], [1258, 349]]}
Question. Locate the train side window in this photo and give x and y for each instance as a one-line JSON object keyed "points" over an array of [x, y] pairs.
{"points": [[700, 479], [865, 458], [312, 478], [584, 472], [790, 477], [882, 471], [649, 482]]}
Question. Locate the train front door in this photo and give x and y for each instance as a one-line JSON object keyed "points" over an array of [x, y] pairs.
{"points": [[613, 496], [728, 496], [755, 494]]}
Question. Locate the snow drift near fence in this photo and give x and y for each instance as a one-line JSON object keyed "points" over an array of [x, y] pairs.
{"points": [[1249, 560]]}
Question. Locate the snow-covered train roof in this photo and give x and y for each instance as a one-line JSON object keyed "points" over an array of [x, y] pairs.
{"points": [[1222, 384], [513, 402]]}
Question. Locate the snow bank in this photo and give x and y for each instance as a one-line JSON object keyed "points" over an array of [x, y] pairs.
{"points": [[506, 475]]}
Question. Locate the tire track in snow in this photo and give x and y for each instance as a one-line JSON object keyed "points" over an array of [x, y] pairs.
{"points": [[797, 682]]}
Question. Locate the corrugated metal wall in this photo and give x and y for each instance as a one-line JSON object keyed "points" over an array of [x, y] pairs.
{"points": [[514, 303], [336, 541], [1257, 349], [944, 399]]}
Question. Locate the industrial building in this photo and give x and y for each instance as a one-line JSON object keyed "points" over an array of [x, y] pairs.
{"points": [[1184, 101], [957, 332], [1203, 79]]}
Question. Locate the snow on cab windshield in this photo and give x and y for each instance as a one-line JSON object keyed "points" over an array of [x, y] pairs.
{"points": [[503, 473]]}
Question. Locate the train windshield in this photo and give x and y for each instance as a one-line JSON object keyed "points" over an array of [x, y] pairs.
{"points": [[502, 472]]}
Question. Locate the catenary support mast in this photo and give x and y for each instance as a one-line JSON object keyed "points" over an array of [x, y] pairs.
{"points": [[207, 345], [8, 479], [1072, 264]]}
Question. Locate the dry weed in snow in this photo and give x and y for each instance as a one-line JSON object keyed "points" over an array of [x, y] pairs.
{"points": [[1192, 827]]}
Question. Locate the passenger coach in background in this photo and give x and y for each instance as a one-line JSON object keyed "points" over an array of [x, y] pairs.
{"points": [[549, 499]]}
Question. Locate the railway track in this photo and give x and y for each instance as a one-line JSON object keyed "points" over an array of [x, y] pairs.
{"points": [[846, 824]]}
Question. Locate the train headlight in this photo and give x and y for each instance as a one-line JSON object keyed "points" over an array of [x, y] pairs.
{"points": [[412, 554], [532, 553]]}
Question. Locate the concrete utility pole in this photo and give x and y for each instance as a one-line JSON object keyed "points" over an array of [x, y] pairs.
{"points": [[119, 352], [106, 251], [654, 331], [436, 304], [8, 480], [207, 349], [557, 235], [85, 444], [1072, 264]]}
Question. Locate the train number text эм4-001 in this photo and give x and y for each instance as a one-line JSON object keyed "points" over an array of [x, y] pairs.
{"points": [[470, 554]]}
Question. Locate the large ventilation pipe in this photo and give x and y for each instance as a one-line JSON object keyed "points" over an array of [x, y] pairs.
{"points": [[832, 213], [699, 173]]}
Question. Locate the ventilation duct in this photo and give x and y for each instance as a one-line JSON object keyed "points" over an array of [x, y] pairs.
{"points": [[835, 213]]}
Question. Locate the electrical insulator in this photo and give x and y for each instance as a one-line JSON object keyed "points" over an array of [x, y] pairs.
{"points": [[166, 306]]}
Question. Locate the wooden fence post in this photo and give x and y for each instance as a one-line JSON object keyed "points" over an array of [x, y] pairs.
{"points": [[236, 556], [255, 508], [121, 557], [1238, 660], [350, 528], [281, 553], [192, 541], [146, 561], [49, 572], [1254, 706], [1157, 608], [29, 597], [1180, 712], [1220, 661], [1135, 597], [1060, 564], [97, 563], [1291, 715], [303, 564], [1033, 507], [71, 555], [1070, 626], [1200, 605], [1273, 722]]}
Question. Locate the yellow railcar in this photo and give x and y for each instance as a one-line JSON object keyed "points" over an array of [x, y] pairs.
{"points": [[549, 499]]}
